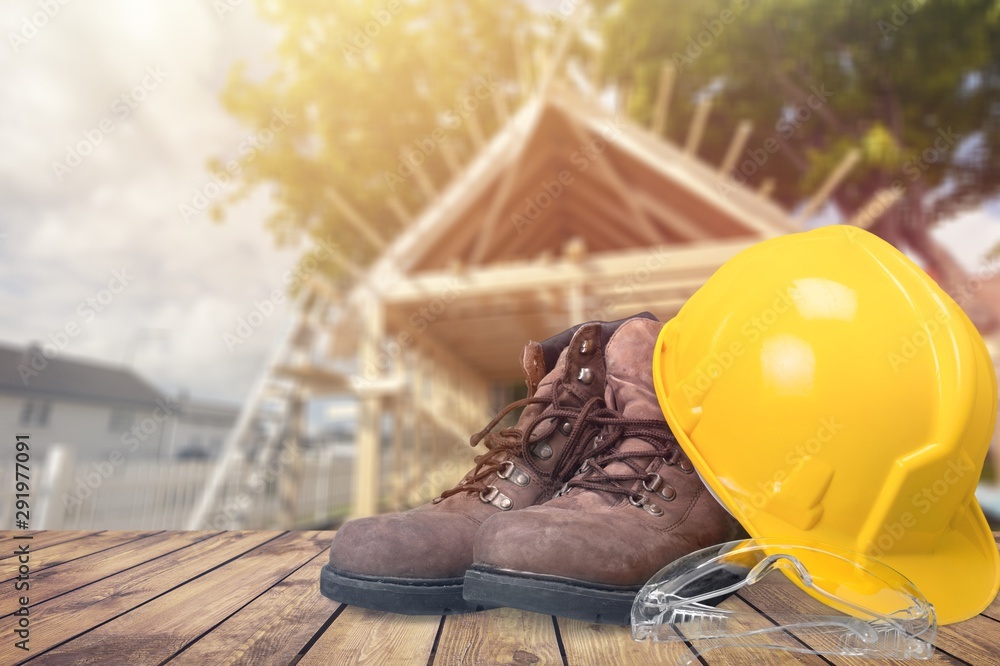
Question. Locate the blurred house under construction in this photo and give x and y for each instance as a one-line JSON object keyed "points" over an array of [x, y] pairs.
{"points": [[570, 212]]}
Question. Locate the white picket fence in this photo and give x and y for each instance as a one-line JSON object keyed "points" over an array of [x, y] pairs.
{"points": [[160, 495]]}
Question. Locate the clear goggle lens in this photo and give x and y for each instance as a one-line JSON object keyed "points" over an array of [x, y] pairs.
{"points": [[791, 596]]}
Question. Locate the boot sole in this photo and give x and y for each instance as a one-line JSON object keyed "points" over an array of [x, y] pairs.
{"points": [[409, 596], [551, 595]]}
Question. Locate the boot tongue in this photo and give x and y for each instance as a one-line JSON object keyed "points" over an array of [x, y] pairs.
{"points": [[629, 389]]}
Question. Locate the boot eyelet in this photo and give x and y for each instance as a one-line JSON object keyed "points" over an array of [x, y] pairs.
{"points": [[506, 469], [585, 466], [520, 479], [566, 427], [585, 376], [562, 491], [489, 494], [597, 441], [636, 502], [543, 451], [685, 466], [653, 509], [586, 347], [652, 482], [667, 493]]}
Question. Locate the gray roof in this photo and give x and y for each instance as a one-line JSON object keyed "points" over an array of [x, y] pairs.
{"points": [[72, 378]]}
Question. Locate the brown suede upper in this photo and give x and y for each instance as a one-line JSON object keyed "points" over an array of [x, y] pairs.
{"points": [[604, 537], [435, 540]]}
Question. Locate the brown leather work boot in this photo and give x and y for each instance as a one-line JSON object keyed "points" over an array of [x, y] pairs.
{"points": [[414, 561], [634, 506]]}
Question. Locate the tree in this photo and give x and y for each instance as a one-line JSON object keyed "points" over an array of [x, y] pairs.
{"points": [[372, 89], [914, 84]]}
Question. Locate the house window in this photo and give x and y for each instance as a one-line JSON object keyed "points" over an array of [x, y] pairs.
{"points": [[36, 414], [121, 420]]}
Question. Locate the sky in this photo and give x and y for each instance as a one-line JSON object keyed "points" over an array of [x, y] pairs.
{"points": [[132, 87], [109, 111]]}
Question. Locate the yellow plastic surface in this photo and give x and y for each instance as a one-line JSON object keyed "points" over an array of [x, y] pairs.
{"points": [[827, 389]]}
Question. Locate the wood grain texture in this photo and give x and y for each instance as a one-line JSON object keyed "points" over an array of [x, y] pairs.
{"points": [[374, 638], [40, 539], [976, 641], [779, 595], [597, 644], [253, 598], [501, 636], [272, 628], [93, 604], [162, 627], [58, 579], [72, 550]]}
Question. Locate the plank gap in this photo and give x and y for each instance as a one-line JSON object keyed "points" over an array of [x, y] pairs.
{"points": [[147, 601], [315, 637], [46, 600], [784, 631], [434, 645], [227, 618], [45, 567], [559, 641]]}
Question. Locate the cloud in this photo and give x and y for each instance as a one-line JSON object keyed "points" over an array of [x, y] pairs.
{"points": [[117, 209]]}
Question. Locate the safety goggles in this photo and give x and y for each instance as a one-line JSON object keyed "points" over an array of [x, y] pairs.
{"points": [[825, 600]]}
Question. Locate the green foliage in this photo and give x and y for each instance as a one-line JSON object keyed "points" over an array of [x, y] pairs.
{"points": [[364, 80], [897, 72]]}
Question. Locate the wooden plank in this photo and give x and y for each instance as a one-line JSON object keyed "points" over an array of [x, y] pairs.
{"points": [[71, 550], [974, 641], [40, 539], [271, 629], [56, 621], [362, 636], [663, 93], [501, 636], [595, 643], [52, 581], [354, 218], [844, 167], [157, 630], [778, 594], [736, 145], [697, 128]]}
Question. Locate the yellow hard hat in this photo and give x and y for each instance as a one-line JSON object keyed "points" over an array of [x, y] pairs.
{"points": [[826, 389]]}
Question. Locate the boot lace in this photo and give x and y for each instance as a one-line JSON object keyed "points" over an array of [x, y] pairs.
{"points": [[594, 476], [595, 425]]}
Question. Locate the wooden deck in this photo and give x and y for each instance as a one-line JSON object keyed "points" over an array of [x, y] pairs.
{"points": [[253, 598]]}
